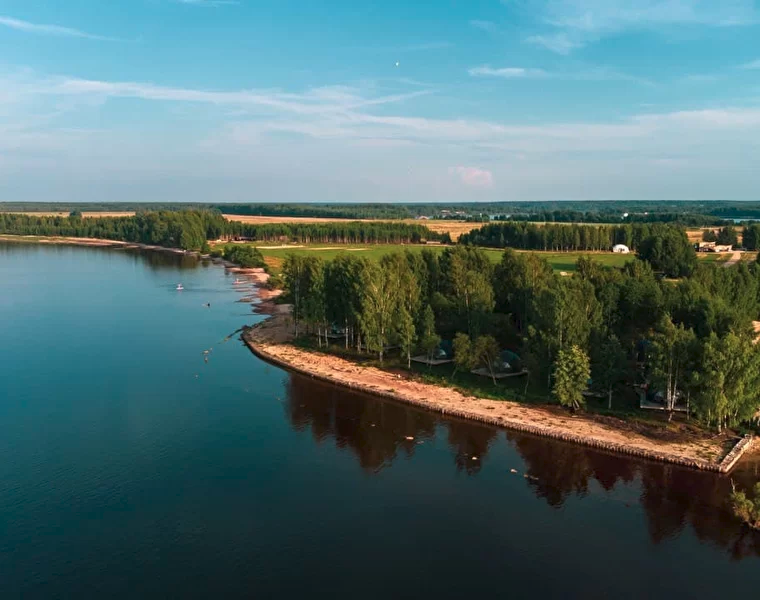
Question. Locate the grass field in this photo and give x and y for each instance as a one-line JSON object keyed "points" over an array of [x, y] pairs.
{"points": [[560, 261]]}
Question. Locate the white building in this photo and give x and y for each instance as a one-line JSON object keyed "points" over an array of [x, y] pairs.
{"points": [[621, 249]]}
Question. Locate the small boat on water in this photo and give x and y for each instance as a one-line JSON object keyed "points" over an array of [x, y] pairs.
{"points": [[238, 282], [179, 287]]}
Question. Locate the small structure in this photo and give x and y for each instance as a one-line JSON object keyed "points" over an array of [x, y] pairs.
{"points": [[507, 365], [726, 248], [442, 355], [621, 249]]}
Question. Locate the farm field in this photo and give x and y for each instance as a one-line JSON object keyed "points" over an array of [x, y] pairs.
{"points": [[560, 261]]}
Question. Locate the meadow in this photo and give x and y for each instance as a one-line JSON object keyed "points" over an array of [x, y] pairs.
{"points": [[560, 261]]}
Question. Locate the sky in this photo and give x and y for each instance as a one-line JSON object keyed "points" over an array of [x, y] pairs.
{"points": [[394, 100]]}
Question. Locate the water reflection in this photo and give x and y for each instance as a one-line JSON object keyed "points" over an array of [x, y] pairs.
{"points": [[377, 432]]}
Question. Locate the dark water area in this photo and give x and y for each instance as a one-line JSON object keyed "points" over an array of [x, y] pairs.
{"points": [[134, 466]]}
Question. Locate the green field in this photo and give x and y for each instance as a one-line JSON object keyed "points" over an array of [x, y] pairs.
{"points": [[560, 261]]}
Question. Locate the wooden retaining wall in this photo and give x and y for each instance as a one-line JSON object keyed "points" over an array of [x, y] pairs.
{"points": [[728, 462]]}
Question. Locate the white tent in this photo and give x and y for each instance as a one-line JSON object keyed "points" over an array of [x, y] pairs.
{"points": [[621, 249]]}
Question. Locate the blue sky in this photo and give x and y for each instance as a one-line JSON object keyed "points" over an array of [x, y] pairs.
{"points": [[336, 100]]}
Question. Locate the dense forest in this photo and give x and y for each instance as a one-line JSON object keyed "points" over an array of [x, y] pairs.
{"points": [[691, 340], [192, 229], [577, 211]]}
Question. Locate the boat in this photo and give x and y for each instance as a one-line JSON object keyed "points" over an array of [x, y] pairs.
{"points": [[179, 287], [238, 282]]}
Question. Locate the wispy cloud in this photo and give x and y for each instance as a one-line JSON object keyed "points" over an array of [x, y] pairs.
{"points": [[751, 66], [587, 74], [574, 23], [488, 26], [506, 72], [55, 30], [208, 3]]}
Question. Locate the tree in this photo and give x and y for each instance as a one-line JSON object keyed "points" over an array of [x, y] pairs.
{"points": [[486, 352], [728, 380], [747, 508], [709, 235], [751, 236], [429, 340], [571, 375], [379, 306], [608, 368], [727, 236], [668, 250], [464, 358], [404, 280], [302, 279], [343, 291], [671, 354]]}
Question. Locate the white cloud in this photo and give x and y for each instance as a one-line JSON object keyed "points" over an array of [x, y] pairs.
{"points": [[751, 66], [575, 23], [328, 133], [505, 72], [54, 30], [473, 176]]}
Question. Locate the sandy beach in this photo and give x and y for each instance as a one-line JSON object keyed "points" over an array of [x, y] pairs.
{"points": [[270, 340]]}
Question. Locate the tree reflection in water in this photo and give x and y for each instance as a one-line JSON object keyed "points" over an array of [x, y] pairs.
{"points": [[376, 432]]}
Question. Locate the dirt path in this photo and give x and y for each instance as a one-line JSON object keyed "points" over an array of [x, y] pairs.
{"points": [[735, 258], [270, 340]]}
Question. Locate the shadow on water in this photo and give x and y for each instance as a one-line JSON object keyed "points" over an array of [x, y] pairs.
{"points": [[673, 499]]}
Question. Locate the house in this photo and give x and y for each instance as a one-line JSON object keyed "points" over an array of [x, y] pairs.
{"points": [[621, 249], [719, 248]]}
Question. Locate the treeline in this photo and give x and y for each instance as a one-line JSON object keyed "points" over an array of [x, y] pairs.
{"points": [[188, 230], [326, 211], [690, 340], [561, 238], [192, 229], [339, 232], [571, 216]]}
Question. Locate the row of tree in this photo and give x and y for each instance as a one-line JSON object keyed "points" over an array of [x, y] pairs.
{"points": [[192, 229], [690, 340]]}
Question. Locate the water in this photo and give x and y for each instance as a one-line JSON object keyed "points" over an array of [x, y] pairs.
{"points": [[131, 468]]}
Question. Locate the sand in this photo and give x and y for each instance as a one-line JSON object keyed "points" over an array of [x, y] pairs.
{"points": [[687, 447]]}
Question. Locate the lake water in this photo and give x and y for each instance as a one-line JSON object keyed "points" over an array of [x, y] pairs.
{"points": [[132, 468]]}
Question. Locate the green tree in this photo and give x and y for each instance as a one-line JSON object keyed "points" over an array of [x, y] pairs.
{"points": [[464, 359], [429, 341], [751, 236], [747, 508], [485, 351], [671, 357], [609, 366], [668, 250], [727, 236], [728, 380], [709, 235], [379, 306], [571, 375], [302, 277]]}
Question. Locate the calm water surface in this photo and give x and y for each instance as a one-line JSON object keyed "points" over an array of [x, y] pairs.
{"points": [[132, 468]]}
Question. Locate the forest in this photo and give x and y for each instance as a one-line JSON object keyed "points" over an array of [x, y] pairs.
{"points": [[192, 229], [690, 340]]}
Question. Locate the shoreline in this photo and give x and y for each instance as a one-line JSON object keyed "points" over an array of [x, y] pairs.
{"points": [[269, 340]]}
